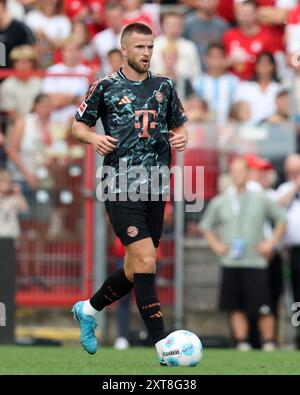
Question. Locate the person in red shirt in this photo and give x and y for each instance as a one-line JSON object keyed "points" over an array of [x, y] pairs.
{"points": [[244, 43], [293, 35], [272, 14], [134, 13], [91, 12]]}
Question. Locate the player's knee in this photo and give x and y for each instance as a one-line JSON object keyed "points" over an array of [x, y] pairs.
{"points": [[146, 264]]}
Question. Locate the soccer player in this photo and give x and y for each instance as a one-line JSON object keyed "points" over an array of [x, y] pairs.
{"points": [[142, 118]]}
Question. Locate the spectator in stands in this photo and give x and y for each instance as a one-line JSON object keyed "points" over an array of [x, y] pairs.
{"points": [[288, 194], [292, 81], [216, 86], [282, 113], [203, 26], [245, 291], [196, 109], [65, 92], [51, 28], [48, 22], [260, 93], [245, 42], [18, 92], [16, 9], [292, 30], [115, 59], [134, 12], [239, 118], [225, 8], [89, 12], [169, 59], [273, 14], [240, 112], [81, 36], [12, 32], [12, 203], [28, 140], [188, 62], [109, 38]]}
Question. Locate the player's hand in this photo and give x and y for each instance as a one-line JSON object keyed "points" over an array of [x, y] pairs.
{"points": [[265, 248], [178, 141], [103, 144]]}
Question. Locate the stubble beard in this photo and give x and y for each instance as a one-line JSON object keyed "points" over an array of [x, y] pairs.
{"points": [[138, 67]]}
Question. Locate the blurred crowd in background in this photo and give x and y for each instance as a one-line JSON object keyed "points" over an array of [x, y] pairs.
{"points": [[232, 61]]}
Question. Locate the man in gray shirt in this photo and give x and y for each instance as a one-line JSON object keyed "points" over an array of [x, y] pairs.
{"points": [[203, 26], [240, 215]]}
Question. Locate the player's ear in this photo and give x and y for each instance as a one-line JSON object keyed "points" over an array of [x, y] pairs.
{"points": [[123, 49]]}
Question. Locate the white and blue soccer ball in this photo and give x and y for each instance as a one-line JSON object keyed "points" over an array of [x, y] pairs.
{"points": [[182, 348]]}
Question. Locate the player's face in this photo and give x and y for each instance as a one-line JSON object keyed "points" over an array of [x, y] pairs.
{"points": [[138, 51]]}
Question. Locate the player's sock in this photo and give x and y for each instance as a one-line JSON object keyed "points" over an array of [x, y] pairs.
{"points": [[148, 304], [114, 288], [88, 309]]}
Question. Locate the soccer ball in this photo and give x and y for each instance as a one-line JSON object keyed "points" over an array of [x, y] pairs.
{"points": [[182, 348]]}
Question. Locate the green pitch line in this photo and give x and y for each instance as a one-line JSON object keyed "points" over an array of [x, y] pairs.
{"points": [[72, 360]]}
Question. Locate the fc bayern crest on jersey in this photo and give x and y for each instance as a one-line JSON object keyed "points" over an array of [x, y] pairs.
{"points": [[159, 97], [81, 109], [132, 231]]}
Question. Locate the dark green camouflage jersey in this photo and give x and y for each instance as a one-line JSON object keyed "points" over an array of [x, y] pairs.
{"points": [[139, 114]]}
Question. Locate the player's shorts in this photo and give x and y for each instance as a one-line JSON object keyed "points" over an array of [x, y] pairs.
{"points": [[246, 289], [133, 221]]}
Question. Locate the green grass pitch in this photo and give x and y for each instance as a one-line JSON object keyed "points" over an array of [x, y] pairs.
{"points": [[134, 361]]}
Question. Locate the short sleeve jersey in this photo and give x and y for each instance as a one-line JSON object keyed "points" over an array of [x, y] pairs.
{"points": [[139, 114]]}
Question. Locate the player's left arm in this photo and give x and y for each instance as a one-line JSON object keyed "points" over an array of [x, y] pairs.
{"points": [[179, 138]]}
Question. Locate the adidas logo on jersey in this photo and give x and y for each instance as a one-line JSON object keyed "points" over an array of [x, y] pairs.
{"points": [[125, 100]]}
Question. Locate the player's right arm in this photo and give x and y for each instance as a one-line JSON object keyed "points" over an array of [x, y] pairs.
{"points": [[102, 144], [87, 114]]}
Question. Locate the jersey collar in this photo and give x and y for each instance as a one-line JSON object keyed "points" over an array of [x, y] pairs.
{"points": [[122, 75]]}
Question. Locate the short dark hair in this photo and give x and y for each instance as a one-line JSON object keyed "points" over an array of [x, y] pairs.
{"points": [[3, 2], [271, 59], [215, 45], [136, 28]]}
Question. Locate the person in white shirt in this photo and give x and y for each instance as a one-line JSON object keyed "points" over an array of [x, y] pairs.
{"points": [[260, 93], [16, 9], [288, 194], [109, 38], [18, 92], [12, 203], [216, 86], [48, 23], [65, 92], [188, 61]]}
